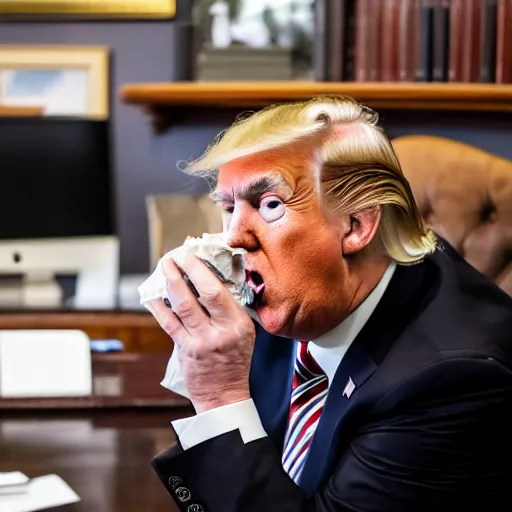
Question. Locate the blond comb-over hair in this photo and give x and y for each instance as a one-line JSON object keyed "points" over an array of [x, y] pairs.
{"points": [[354, 161]]}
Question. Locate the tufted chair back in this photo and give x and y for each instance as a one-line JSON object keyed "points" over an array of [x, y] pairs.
{"points": [[465, 196]]}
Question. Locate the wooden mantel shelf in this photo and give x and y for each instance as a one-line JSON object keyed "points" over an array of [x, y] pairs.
{"points": [[163, 97]]}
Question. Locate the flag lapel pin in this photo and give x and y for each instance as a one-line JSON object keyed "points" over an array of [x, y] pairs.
{"points": [[349, 388]]}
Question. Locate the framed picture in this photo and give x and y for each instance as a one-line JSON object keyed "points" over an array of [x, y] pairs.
{"points": [[63, 81], [91, 8]]}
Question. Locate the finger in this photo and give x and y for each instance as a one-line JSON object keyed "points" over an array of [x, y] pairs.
{"points": [[212, 293], [169, 322], [183, 301]]}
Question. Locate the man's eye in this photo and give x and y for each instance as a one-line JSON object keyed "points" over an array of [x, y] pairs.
{"points": [[228, 209], [271, 208]]}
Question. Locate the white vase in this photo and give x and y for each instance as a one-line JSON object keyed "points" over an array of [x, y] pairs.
{"points": [[221, 28]]}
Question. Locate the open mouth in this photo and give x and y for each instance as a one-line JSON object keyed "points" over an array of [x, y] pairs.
{"points": [[256, 284]]}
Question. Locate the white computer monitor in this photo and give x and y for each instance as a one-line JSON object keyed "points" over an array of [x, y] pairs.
{"points": [[56, 212]]}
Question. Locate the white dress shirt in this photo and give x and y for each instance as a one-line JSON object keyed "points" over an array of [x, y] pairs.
{"points": [[328, 351]]}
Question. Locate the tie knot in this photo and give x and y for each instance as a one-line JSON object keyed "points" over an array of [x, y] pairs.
{"points": [[307, 367]]}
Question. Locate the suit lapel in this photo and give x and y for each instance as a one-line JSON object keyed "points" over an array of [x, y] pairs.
{"points": [[270, 383], [399, 302]]}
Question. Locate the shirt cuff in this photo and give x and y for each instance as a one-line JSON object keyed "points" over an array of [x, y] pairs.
{"points": [[241, 416]]}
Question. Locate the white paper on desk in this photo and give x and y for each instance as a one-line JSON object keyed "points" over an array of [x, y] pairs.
{"points": [[13, 482], [43, 492]]}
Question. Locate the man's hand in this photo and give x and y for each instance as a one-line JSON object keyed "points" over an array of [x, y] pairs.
{"points": [[215, 350]]}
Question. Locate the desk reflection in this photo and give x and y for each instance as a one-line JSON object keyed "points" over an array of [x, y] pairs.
{"points": [[103, 455]]}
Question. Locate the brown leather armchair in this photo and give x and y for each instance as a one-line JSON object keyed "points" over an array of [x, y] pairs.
{"points": [[465, 196]]}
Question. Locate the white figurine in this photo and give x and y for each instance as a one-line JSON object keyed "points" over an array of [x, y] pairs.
{"points": [[221, 29]]}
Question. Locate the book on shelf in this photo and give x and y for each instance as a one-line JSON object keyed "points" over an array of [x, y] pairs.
{"points": [[414, 40]]}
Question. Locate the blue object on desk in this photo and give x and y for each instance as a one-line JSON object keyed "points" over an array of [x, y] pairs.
{"points": [[110, 345]]}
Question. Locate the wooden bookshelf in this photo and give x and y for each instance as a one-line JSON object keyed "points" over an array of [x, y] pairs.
{"points": [[160, 99]]}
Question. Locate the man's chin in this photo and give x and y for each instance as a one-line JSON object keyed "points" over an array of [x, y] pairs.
{"points": [[274, 322]]}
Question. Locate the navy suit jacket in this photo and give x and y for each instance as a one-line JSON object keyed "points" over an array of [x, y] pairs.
{"points": [[428, 427]]}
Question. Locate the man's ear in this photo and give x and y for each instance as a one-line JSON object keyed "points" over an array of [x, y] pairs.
{"points": [[360, 229]]}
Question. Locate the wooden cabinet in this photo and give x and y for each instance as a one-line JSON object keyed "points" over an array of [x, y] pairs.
{"points": [[120, 379], [139, 331]]}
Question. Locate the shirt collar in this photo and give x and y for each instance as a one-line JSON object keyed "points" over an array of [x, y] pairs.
{"points": [[329, 349]]}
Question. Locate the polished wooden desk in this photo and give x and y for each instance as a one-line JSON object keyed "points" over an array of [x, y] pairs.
{"points": [[101, 445], [104, 455]]}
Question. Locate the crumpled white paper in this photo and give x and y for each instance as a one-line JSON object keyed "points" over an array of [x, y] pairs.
{"points": [[226, 262], [173, 379]]}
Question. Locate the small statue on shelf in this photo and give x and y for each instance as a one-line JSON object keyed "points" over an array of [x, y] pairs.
{"points": [[221, 28]]}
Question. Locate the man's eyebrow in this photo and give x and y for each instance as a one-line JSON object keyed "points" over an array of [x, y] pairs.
{"points": [[253, 191], [220, 197]]}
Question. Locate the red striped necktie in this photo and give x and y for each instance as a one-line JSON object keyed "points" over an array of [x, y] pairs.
{"points": [[309, 391]]}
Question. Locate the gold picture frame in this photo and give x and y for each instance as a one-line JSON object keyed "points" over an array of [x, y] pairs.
{"points": [[65, 81], [95, 8]]}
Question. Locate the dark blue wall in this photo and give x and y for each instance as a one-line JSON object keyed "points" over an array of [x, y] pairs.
{"points": [[144, 163]]}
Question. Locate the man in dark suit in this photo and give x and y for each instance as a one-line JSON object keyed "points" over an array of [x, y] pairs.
{"points": [[379, 377]]}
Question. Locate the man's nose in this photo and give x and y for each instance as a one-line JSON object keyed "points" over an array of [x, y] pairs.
{"points": [[240, 231]]}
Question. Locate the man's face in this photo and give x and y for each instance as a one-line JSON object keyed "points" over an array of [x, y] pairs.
{"points": [[272, 210]]}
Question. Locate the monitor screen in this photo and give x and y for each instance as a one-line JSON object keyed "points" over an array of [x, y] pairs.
{"points": [[55, 178]]}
